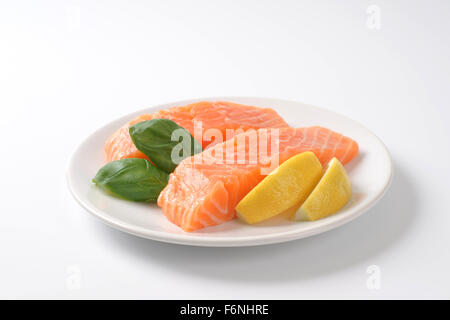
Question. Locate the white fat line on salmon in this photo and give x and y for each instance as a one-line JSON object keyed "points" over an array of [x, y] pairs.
{"points": [[195, 310]]}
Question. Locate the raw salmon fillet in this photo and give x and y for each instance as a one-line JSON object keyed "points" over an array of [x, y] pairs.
{"points": [[220, 115], [203, 193]]}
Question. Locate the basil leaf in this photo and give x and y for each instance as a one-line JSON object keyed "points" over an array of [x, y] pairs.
{"points": [[132, 179], [164, 142]]}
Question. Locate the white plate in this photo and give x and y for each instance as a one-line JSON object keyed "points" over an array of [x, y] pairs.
{"points": [[370, 174]]}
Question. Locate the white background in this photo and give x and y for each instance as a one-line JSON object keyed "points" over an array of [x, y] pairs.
{"points": [[68, 67]]}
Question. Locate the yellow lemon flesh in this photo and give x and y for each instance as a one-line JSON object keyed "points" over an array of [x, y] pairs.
{"points": [[284, 188], [330, 195]]}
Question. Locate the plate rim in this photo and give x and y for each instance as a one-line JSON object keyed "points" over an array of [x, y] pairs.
{"points": [[240, 241]]}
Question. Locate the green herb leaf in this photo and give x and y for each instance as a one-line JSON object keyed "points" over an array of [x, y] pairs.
{"points": [[132, 179], [164, 142]]}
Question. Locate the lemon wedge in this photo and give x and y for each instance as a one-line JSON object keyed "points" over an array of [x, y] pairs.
{"points": [[330, 195], [284, 188]]}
